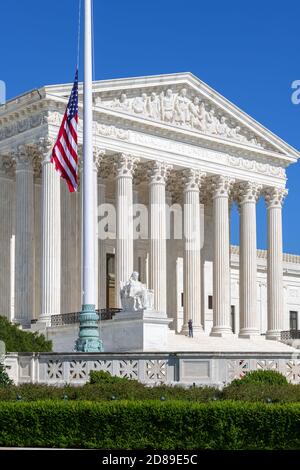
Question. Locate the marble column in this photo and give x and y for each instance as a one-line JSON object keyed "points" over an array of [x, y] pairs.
{"points": [[221, 186], [274, 198], [98, 155], [248, 194], [158, 172], [51, 239], [192, 251], [101, 251], [24, 251], [125, 165]]}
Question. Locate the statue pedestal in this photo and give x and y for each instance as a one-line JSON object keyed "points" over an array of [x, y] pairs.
{"points": [[141, 330]]}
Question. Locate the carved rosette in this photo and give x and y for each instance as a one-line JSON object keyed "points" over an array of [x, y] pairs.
{"points": [[158, 172], [125, 165], [221, 186], [192, 179], [248, 191], [274, 197]]}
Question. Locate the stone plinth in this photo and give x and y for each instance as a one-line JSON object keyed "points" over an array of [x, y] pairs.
{"points": [[140, 330]]}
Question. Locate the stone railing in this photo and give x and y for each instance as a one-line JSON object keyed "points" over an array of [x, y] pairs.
{"points": [[150, 368], [287, 257], [73, 317]]}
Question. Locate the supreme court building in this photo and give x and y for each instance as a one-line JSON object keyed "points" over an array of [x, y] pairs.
{"points": [[170, 147]]}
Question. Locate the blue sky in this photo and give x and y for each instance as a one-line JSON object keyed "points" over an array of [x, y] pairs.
{"points": [[247, 51]]}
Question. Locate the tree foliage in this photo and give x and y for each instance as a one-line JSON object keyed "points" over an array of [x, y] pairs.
{"points": [[17, 340]]}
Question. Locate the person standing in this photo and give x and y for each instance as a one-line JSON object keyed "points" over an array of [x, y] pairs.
{"points": [[190, 325]]}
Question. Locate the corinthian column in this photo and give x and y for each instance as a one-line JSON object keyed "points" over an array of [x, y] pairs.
{"points": [[158, 172], [24, 258], [221, 267], [274, 198], [98, 155], [248, 194], [125, 165], [192, 247], [51, 237]]}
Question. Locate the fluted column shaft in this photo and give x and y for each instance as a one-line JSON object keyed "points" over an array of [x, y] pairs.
{"points": [[192, 251], [98, 155], [249, 318], [125, 165], [158, 246], [51, 241], [221, 267], [274, 199], [24, 258]]}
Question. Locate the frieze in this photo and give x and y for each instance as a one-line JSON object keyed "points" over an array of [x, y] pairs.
{"points": [[184, 109], [22, 125]]}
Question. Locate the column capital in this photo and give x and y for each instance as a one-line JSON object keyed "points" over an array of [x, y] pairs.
{"points": [[248, 191], [98, 154], [24, 158], [274, 197], [192, 179], [125, 164], [158, 172], [45, 146], [221, 186]]}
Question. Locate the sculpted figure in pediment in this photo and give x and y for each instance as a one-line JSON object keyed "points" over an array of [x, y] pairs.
{"points": [[123, 103], [222, 128], [153, 106], [182, 113], [167, 106], [196, 115], [211, 122], [139, 104]]}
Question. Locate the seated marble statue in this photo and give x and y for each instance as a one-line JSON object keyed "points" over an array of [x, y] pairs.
{"points": [[134, 294]]}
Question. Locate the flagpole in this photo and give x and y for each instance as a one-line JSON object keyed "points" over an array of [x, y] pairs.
{"points": [[89, 338]]}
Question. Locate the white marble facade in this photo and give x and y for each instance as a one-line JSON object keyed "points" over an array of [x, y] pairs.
{"points": [[162, 139]]}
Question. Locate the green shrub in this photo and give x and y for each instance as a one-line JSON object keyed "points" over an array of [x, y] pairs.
{"points": [[104, 377], [129, 390], [17, 340], [150, 425], [264, 393], [5, 381], [262, 377]]}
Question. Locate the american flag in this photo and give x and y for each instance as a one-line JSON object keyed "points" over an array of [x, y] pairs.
{"points": [[65, 150]]}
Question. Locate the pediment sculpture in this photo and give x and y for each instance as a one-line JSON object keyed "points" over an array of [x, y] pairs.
{"points": [[184, 111], [135, 295]]}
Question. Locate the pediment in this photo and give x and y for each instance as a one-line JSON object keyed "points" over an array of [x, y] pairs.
{"points": [[183, 101]]}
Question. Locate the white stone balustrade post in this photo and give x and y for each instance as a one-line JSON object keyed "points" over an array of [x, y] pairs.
{"points": [[24, 258], [158, 173], [221, 186], [248, 194], [274, 199], [51, 238], [192, 251], [125, 166]]}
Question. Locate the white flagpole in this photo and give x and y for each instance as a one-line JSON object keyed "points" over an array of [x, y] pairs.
{"points": [[88, 340]]}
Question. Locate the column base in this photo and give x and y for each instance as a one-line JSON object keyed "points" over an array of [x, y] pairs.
{"points": [[89, 338], [221, 332], [274, 335], [249, 334]]}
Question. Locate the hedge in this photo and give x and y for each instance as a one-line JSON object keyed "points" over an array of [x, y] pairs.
{"points": [[150, 425]]}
